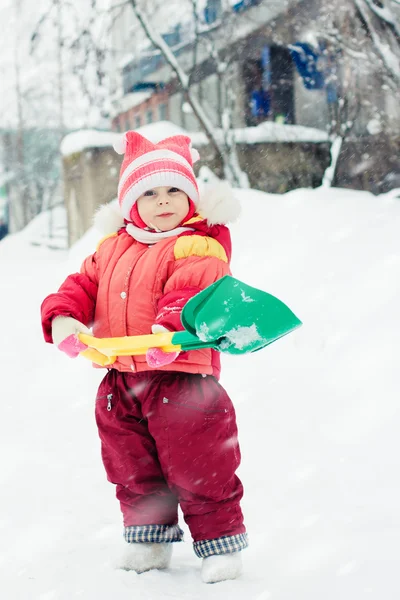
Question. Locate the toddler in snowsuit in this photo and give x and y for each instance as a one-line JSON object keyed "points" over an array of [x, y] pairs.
{"points": [[167, 427]]}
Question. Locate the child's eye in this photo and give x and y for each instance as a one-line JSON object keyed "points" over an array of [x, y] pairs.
{"points": [[173, 190], [149, 193]]}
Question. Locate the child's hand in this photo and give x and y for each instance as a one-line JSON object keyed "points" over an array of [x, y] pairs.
{"points": [[155, 357], [64, 332]]}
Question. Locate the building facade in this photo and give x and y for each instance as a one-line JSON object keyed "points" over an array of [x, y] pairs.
{"points": [[274, 64]]}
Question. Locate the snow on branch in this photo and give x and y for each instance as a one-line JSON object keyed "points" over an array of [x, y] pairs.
{"points": [[386, 14], [389, 58], [169, 56]]}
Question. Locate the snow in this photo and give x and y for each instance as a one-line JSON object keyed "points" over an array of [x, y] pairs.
{"points": [[240, 337], [161, 130], [276, 132], [87, 138], [204, 332], [129, 101], [6, 177], [90, 138], [374, 126], [318, 417], [335, 153], [266, 132]]}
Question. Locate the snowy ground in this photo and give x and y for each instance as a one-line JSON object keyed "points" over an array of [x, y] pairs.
{"points": [[318, 416]]}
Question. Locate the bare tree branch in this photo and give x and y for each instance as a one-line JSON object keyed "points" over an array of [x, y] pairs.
{"points": [[226, 149], [196, 21], [159, 43], [36, 32]]}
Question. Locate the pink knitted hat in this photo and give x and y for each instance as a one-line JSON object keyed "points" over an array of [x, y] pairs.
{"points": [[147, 165]]}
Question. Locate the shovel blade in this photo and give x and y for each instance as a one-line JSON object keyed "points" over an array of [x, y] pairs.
{"points": [[237, 318]]}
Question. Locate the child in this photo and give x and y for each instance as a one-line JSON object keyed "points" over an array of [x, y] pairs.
{"points": [[167, 427]]}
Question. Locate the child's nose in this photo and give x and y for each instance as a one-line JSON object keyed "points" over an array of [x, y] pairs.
{"points": [[163, 198]]}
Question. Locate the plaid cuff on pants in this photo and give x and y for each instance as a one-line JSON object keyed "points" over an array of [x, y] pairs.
{"points": [[153, 534], [222, 545]]}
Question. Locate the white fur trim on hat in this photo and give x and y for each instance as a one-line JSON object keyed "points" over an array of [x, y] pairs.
{"points": [[120, 144]]}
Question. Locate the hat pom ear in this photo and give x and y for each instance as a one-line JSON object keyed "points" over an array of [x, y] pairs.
{"points": [[194, 154], [120, 144]]}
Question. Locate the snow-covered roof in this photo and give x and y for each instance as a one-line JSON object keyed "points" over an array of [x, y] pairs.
{"points": [[268, 132], [264, 133], [129, 101], [90, 138], [86, 138], [161, 130], [278, 132]]}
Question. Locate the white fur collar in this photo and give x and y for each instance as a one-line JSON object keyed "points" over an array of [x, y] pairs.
{"points": [[217, 204]]}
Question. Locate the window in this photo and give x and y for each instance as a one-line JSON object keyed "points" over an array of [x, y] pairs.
{"points": [[131, 74], [149, 116], [162, 112], [245, 4], [269, 87], [138, 121], [212, 11], [172, 38]]}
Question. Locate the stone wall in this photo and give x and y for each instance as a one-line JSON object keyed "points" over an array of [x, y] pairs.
{"points": [[90, 179], [278, 167], [371, 163]]}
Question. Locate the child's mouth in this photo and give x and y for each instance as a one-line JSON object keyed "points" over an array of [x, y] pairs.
{"points": [[165, 215]]}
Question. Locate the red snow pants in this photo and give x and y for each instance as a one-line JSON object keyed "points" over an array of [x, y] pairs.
{"points": [[169, 438]]}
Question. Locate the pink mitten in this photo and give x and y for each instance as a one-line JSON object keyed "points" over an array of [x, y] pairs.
{"points": [[72, 346], [155, 357], [65, 331]]}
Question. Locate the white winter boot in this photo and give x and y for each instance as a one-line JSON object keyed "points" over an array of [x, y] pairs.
{"points": [[220, 567], [144, 556]]}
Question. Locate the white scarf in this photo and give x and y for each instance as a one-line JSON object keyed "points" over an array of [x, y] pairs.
{"points": [[145, 236]]}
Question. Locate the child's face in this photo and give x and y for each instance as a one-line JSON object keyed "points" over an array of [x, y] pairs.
{"points": [[163, 207]]}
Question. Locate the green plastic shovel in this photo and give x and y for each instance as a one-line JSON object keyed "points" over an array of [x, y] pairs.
{"points": [[233, 317], [229, 316]]}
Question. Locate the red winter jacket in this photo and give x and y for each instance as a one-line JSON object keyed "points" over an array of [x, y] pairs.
{"points": [[125, 287]]}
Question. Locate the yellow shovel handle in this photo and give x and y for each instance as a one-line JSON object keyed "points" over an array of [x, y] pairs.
{"points": [[97, 357], [103, 351]]}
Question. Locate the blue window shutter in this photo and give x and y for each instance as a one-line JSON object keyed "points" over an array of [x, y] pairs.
{"points": [[306, 60]]}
